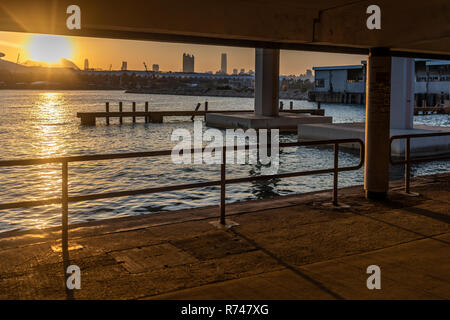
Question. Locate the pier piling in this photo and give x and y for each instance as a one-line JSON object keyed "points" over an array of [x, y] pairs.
{"points": [[120, 110], [107, 111], [146, 110], [134, 110]]}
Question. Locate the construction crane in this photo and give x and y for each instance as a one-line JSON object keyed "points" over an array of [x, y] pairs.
{"points": [[148, 73], [146, 70]]}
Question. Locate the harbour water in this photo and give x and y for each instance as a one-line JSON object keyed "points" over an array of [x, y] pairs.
{"points": [[44, 124]]}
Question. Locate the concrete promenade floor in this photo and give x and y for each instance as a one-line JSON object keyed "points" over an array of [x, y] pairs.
{"points": [[293, 247]]}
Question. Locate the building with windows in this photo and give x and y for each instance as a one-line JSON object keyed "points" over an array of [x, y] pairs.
{"points": [[340, 84], [223, 64], [347, 84], [188, 63]]}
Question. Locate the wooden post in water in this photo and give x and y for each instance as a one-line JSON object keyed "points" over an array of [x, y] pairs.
{"points": [[281, 105], [291, 105], [196, 109], [146, 110], [134, 110], [107, 111], [206, 106], [120, 110]]}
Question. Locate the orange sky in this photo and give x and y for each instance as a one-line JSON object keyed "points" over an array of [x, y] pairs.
{"points": [[103, 52]]}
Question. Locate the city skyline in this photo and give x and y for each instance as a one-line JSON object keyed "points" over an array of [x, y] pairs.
{"points": [[105, 53]]}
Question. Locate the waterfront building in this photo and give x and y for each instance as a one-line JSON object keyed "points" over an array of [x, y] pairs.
{"points": [[347, 84], [155, 68]]}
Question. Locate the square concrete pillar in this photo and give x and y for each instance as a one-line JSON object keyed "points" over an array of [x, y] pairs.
{"points": [[402, 93], [376, 169], [267, 74]]}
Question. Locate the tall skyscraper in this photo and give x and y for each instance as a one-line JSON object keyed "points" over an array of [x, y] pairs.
{"points": [[155, 68], [124, 66], [223, 64], [86, 64], [188, 63]]}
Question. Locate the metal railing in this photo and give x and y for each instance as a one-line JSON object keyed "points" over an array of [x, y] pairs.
{"points": [[66, 199], [407, 157]]}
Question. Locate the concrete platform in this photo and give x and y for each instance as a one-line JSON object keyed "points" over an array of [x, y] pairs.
{"points": [[292, 247], [286, 121], [419, 146]]}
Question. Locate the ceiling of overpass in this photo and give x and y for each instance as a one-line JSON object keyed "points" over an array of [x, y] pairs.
{"points": [[328, 25]]}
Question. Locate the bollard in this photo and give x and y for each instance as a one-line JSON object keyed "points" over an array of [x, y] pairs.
{"points": [[146, 110], [134, 110], [291, 105]]}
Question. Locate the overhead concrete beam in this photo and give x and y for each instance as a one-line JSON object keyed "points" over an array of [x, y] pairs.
{"points": [[409, 25], [322, 25], [232, 19]]}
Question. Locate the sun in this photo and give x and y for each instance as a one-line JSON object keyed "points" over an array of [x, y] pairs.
{"points": [[49, 48]]}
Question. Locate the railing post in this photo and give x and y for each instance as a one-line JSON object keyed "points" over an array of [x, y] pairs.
{"points": [[120, 110], [65, 203], [407, 164], [335, 174], [107, 111], [134, 110], [222, 186]]}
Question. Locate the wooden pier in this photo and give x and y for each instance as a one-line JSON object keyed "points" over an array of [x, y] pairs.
{"points": [[431, 110], [89, 118]]}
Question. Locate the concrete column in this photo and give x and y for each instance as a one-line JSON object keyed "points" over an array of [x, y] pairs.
{"points": [[267, 73], [402, 93], [376, 170]]}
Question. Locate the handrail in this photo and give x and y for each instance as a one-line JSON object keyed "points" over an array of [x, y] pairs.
{"points": [[65, 198], [407, 160]]}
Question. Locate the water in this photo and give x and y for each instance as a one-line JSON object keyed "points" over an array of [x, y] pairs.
{"points": [[44, 124]]}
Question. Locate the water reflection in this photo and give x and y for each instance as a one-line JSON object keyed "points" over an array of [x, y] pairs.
{"points": [[44, 124]]}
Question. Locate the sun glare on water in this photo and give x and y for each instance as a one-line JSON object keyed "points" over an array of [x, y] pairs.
{"points": [[49, 48]]}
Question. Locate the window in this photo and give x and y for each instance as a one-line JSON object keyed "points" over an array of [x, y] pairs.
{"points": [[320, 83], [354, 75]]}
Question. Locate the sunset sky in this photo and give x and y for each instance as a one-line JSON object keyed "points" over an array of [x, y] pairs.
{"points": [[103, 52]]}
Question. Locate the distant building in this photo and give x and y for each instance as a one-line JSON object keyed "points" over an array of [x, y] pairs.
{"points": [[124, 66], [188, 63], [340, 84], [235, 71], [242, 71], [223, 63], [86, 64], [155, 68]]}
